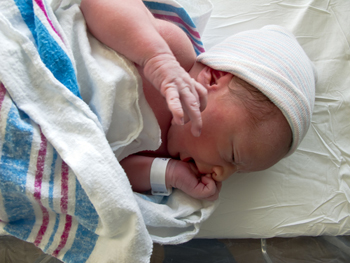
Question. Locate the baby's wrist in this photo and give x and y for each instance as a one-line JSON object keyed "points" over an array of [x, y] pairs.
{"points": [[156, 69], [158, 177], [169, 175]]}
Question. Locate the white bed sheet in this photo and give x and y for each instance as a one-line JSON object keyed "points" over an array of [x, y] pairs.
{"points": [[308, 193]]}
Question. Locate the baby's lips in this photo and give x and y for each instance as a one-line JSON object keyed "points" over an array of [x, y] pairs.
{"points": [[187, 159]]}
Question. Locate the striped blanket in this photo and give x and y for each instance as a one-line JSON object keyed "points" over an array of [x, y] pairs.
{"points": [[177, 15], [61, 186]]}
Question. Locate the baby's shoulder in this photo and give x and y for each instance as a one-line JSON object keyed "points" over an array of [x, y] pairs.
{"points": [[178, 42]]}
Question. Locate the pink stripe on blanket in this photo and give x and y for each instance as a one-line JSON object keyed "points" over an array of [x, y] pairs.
{"points": [[44, 225], [37, 188], [42, 7], [64, 208], [40, 164], [64, 187], [64, 236], [2, 94], [201, 49], [178, 20]]}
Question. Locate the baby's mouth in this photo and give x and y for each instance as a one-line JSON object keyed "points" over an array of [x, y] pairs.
{"points": [[187, 160]]}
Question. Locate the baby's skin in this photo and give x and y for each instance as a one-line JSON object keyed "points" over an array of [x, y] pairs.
{"points": [[204, 129], [130, 29]]}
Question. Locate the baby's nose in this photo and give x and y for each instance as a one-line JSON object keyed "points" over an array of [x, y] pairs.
{"points": [[221, 173]]}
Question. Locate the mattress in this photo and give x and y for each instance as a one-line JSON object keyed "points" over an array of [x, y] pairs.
{"points": [[306, 194]]}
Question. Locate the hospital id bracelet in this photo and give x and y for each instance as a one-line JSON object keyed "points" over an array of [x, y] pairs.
{"points": [[157, 177]]}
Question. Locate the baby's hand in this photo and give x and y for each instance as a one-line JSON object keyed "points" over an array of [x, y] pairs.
{"points": [[185, 176], [185, 97]]}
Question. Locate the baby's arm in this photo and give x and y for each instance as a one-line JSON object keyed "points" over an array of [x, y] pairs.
{"points": [[181, 175], [130, 29]]}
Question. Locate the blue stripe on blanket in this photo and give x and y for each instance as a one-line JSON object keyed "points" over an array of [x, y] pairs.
{"points": [[180, 17], [52, 179], [84, 243], [54, 230], [199, 42], [85, 238], [52, 55], [84, 210], [13, 170], [169, 8]]}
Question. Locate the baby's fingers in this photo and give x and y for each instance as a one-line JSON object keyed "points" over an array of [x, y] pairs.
{"points": [[214, 187], [202, 95], [174, 104], [191, 106], [184, 104]]}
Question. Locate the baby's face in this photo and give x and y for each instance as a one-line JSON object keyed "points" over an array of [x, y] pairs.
{"points": [[230, 142]]}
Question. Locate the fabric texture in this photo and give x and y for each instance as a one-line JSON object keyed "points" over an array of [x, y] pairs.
{"points": [[271, 60]]}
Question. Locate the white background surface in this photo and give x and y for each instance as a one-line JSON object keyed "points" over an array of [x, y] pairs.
{"points": [[307, 193]]}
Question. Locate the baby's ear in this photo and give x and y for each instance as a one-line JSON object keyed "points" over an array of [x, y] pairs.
{"points": [[216, 75]]}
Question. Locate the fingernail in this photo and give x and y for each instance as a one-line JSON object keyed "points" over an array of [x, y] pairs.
{"points": [[199, 133], [182, 121]]}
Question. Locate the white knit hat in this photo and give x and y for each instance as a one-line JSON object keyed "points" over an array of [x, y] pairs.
{"points": [[271, 60]]}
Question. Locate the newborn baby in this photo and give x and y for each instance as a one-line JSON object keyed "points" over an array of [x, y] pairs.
{"points": [[240, 107]]}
